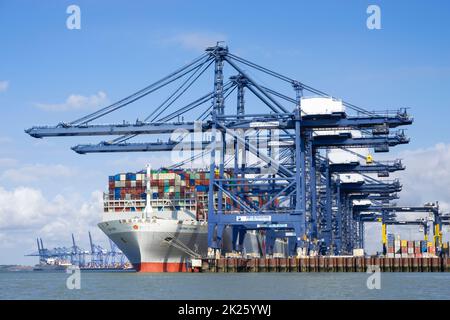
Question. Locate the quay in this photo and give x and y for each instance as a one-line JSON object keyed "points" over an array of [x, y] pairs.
{"points": [[321, 264]]}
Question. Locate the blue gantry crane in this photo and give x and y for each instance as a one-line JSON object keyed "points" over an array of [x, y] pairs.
{"points": [[311, 201], [95, 258]]}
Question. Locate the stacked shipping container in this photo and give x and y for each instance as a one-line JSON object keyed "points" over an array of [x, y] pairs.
{"points": [[173, 185], [408, 249]]}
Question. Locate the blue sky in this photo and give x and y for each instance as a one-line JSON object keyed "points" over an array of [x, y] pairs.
{"points": [[122, 47]]}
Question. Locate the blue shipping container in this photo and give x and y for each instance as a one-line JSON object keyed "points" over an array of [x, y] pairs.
{"points": [[201, 188], [423, 246]]}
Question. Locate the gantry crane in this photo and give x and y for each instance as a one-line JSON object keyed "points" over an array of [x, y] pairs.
{"points": [[304, 204], [387, 215]]}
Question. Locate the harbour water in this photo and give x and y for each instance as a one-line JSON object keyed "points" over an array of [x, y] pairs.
{"points": [[114, 285]]}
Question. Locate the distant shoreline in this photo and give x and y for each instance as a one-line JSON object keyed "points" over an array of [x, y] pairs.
{"points": [[14, 268]]}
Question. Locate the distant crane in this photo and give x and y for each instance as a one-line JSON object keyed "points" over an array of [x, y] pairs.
{"points": [[98, 257]]}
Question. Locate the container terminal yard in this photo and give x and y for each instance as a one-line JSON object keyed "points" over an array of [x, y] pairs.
{"points": [[286, 183], [96, 258]]}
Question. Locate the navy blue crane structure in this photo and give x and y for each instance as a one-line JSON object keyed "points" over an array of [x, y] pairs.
{"points": [[305, 200]]}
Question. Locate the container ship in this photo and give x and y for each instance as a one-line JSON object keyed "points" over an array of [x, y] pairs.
{"points": [[52, 264], [158, 218]]}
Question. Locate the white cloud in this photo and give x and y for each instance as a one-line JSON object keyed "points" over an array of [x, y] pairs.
{"points": [[425, 179], [427, 176], [27, 212], [7, 162], [5, 140], [4, 85], [5, 241], [77, 102], [36, 172], [198, 41]]}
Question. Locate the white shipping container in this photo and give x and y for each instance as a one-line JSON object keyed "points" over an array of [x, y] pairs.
{"points": [[339, 156], [320, 105], [133, 184], [120, 184], [362, 202], [351, 178], [397, 246], [196, 263], [123, 177], [168, 176], [163, 176]]}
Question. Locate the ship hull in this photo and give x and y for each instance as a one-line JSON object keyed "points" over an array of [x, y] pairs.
{"points": [[165, 245], [158, 245]]}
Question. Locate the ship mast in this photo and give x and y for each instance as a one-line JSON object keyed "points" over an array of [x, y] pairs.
{"points": [[148, 207]]}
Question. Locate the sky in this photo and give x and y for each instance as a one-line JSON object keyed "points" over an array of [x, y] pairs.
{"points": [[50, 74]]}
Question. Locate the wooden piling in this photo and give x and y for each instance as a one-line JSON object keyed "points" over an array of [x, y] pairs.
{"points": [[325, 264]]}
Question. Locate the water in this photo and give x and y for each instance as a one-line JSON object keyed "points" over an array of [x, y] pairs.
{"points": [[113, 285]]}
